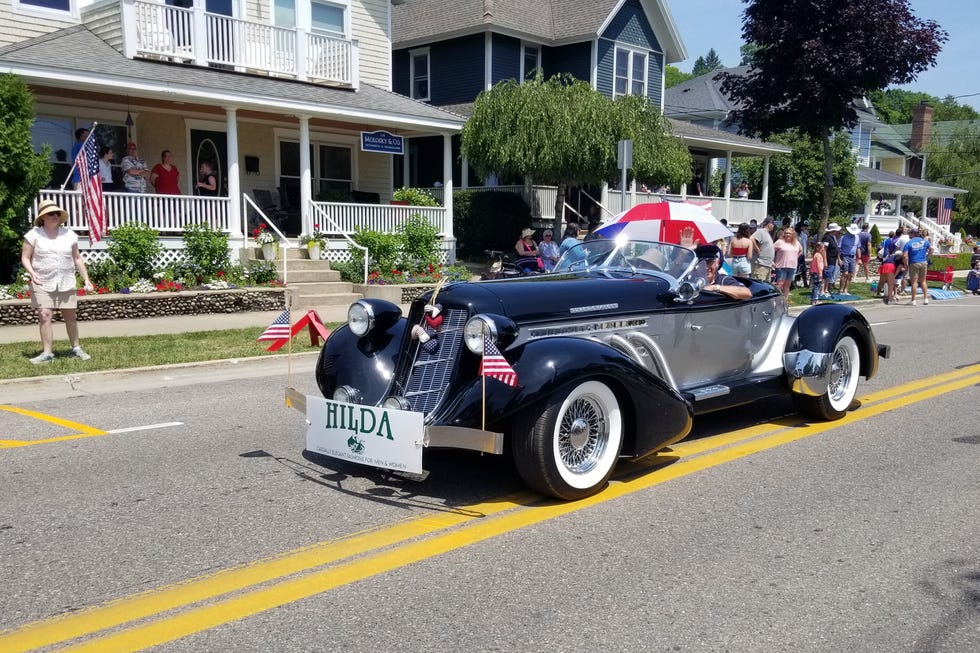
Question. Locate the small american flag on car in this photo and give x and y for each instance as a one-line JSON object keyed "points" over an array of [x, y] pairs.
{"points": [[495, 365]]}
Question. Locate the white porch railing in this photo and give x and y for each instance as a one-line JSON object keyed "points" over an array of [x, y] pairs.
{"points": [[346, 217], [167, 214], [733, 209], [160, 30]]}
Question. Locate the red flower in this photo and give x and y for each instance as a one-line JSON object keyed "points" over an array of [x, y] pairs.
{"points": [[221, 273], [20, 295], [81, 291], [255, 232], [396, 271], [261, 226]]}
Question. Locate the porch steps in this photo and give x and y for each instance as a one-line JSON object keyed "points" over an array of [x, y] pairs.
{"points": [[311, 284]]}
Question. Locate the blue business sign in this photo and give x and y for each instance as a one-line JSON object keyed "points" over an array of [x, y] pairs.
{"points": [[382, 141]]}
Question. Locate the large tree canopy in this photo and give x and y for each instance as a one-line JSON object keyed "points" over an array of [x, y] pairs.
{"points": [[894, 106], [560, 131], [814, 57], [956, 162]]}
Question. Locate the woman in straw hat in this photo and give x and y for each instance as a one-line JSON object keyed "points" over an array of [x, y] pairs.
{"points": [[50, 257]]}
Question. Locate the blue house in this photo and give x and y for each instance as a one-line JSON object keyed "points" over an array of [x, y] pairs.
{"points": [[446, 57]]}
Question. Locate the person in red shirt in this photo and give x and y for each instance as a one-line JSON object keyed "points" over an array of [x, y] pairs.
{"points": [[164, 176]]}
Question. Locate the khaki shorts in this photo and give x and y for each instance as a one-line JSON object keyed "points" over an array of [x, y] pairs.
{"points": [[917, 271], [54, 300], [761, 272]]}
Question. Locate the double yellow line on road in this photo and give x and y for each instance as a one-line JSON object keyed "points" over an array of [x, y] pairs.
{"points": [[176, 611]]}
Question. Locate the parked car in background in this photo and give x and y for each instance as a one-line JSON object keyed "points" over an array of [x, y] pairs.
{"points": [[611, 356]]}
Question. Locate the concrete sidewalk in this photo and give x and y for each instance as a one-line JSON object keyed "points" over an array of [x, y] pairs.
{"points": [[173, 324]]}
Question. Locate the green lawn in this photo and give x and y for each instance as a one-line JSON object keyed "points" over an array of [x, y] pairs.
{"points": [[143, 351]]}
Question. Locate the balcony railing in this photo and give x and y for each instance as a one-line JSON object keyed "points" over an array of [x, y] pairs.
{"points": [[379, 217], [206, 39]]}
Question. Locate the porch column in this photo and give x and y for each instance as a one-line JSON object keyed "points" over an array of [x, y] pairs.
{"points": [[898, 209], [406, 168], [765, 185], [305, 174], [447, 188], [464, 169], [235, 217], [728, 185], [128, 20], [199, 29]]}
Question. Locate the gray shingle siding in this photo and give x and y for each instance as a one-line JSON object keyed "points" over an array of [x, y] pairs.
{"points": [[575, 59], [631, 26], [506, 58]]}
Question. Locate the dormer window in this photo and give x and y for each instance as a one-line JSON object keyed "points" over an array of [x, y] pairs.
{"points": [[420, 74]]}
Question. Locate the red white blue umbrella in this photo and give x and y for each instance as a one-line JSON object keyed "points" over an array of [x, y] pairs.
{"points": [[664, 222]]}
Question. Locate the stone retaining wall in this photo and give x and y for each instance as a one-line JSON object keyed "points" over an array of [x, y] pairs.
{"points": [[185, 302]]}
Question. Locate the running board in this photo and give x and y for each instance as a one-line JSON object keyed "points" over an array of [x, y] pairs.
{"points": [[709, 392]]}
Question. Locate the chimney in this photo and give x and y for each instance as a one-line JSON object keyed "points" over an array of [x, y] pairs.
{"points": [[921, 127]]}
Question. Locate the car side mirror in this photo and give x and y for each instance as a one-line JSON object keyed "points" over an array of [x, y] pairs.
{"points": [[689, 289]]}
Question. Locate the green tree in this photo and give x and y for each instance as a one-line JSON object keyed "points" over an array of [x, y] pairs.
{"points": [[957, 163], [796, 183], [673, 76], [815, 56], [556, 131], [22, 171], [747, 50], [658, 156], [704, 65], [894, 106]]}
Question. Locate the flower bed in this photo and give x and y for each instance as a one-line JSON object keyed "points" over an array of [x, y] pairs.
{"points": [[185, 302]]}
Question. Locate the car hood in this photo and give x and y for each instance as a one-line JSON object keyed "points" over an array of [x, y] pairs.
{"points": [[547, 297]]}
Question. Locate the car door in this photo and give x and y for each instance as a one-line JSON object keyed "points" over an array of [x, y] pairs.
{"points": [[713, 341]]}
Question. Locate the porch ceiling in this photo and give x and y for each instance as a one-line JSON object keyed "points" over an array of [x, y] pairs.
{"points": [[75, 59]]}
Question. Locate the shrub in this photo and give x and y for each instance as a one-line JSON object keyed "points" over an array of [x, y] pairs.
{"points": [[206, 247], [260, 273], [875, 238], [488, 219], [383, 249], [134, 247], [419, 244], [415, 197]]}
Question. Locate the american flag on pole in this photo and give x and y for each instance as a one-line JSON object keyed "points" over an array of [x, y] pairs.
{"points": [[495, 365], [944, 214], [87, 162], [278, 330]]}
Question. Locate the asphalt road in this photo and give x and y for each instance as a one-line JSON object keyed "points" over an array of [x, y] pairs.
{"points": [[177, 513]]}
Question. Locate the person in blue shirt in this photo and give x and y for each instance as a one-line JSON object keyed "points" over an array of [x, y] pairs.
{"points": [[864, 250], [848, 256], [569, 238], [917, 251], [80, 135]]}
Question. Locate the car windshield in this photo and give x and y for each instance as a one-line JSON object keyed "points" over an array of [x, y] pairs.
{"points": [[635, 256]]}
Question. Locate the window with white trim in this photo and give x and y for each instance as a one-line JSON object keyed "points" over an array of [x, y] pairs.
{"points": [[420, 74], [61, 9], [630, 72], [531, 60], [328, 18], [332, 171]]}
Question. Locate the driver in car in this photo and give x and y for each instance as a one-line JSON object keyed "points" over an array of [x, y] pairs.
{"points": [[716, 280]]}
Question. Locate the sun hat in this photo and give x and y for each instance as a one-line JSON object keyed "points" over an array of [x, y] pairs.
{"points": [[853, 229], [46, 207], [833, 226], [527, 232]]}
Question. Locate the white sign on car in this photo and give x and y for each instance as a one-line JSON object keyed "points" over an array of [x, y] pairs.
{"points": [[368, 435]]}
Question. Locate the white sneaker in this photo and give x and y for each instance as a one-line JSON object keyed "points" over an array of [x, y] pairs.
{"points": [[42, 358], [925, 302], [79, 353], [912, 302]]}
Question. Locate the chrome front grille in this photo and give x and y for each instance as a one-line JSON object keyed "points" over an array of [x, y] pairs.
{"points": [[429, 375]]}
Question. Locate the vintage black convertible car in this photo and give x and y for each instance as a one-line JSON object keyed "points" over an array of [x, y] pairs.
{"points": [[610, 356]]}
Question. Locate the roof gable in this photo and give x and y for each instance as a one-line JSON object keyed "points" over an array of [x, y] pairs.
{"points": [[550, 22]]}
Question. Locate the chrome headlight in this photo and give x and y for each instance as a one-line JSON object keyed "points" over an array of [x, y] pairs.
{"points": [[347, 394], [397, 403], [360, 318], [476, 327]]}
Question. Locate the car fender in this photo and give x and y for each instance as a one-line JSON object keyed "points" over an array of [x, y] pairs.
{"points": [[818, 328], [365, 363], [656, 415]]}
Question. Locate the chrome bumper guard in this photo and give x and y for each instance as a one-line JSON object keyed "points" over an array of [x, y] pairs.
{"points": [[446, 437], [808, 371]]}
